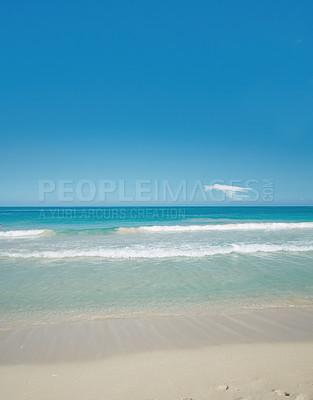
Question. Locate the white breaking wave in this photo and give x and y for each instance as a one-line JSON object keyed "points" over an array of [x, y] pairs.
{"points": [[25, 233], [163, 252], [253, 226]]}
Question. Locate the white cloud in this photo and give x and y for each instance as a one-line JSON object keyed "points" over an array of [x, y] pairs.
{"points": [[232, 192]]}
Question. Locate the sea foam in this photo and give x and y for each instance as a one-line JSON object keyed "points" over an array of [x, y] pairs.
{"points": [[162, 252], [25, 233], [253, 226]]}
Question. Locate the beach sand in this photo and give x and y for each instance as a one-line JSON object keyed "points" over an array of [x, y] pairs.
{"points": [[248, 355]]}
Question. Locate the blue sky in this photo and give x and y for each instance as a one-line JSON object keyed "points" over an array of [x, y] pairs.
{"points": [[208, 90]]}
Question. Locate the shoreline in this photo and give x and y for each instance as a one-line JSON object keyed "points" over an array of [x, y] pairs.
{"points": [[27, 320]]}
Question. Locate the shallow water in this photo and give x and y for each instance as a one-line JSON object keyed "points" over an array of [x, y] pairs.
{"points": [[65, 264]]}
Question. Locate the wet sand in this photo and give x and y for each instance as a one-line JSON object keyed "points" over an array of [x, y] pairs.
{"points": [[247, 355]]}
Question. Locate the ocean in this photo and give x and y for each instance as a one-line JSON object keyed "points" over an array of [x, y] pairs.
{"points": [[68, 264]]}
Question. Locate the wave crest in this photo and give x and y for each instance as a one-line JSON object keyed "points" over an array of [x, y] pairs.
{"points": [[122, 253], [251, 226], [25, 233]]}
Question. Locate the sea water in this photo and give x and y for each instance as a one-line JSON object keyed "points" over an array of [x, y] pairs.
{"points": [[60, 265]]}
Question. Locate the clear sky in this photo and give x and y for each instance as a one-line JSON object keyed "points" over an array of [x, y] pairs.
{"points": [[156, 90]]}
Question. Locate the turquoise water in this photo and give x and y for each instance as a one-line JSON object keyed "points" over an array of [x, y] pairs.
{"points": [[68, 264]]}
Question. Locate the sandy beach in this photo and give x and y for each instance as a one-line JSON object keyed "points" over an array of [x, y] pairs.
{"points": [[262, 354], [156, 200]]}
